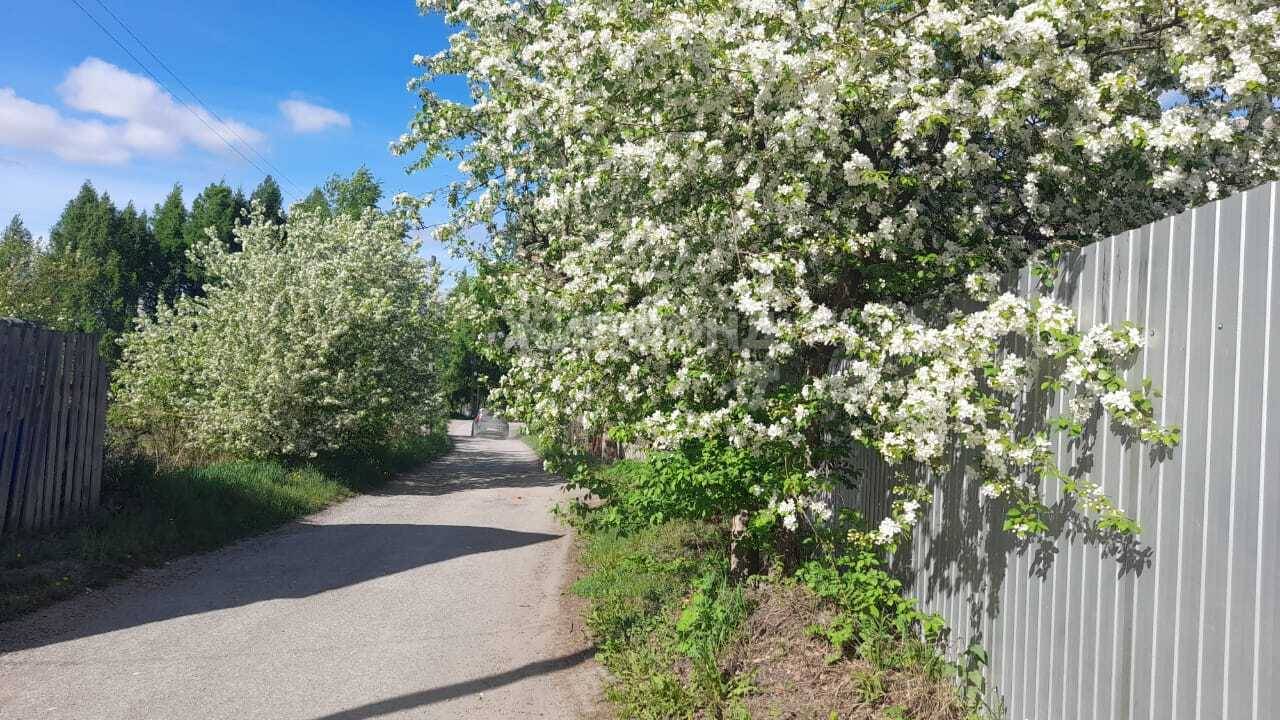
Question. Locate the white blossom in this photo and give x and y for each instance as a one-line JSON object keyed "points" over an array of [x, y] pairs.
{"points": [[314, 336], [732, 198], [888, 531]]}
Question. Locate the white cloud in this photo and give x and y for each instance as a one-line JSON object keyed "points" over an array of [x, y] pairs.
{"points": [[29, 125], [305, 117], [143, 119]]}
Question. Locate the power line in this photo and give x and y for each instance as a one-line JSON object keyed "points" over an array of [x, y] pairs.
{"points": [[160, 82], [230, 128]]}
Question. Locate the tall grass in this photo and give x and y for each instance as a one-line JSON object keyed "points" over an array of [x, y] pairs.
{"points": [[661, 614]]}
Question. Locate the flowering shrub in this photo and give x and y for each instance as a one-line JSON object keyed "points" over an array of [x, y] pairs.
{"points": [[319, 334], [750, 220]]}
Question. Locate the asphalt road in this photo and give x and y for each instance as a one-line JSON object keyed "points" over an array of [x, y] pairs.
{"points": [[438, 597]]}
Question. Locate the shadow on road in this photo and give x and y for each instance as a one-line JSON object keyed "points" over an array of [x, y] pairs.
{"points": [[468, 687], [299, 561], [474, 464]]}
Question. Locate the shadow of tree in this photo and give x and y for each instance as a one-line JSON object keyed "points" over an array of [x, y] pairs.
{"points": [[968, 553], [304, 558], [475, 464], [432, 696], [299, 561]]}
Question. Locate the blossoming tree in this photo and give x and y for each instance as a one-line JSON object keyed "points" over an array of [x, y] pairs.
{"points": [[750, 219], [320, 334]]}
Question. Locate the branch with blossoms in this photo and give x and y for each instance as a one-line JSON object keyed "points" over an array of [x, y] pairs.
{"points": [[821, 181], [910, 389]]}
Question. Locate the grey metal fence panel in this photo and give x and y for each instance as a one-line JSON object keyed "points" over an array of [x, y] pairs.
{"points": [[1266, 691], [1185, 621]]}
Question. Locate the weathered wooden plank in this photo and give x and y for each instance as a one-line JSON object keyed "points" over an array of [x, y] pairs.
{"points": [[99, 432], [44, 482], [47, 484], [37, 470], [88, 408], [31, 470], [12, 337], [67, 488], [41, 483], [24, 410], [37, 480], [65, 485], [53, 394], [57, 416], [9, 454], [70, 489], [10, 351]]}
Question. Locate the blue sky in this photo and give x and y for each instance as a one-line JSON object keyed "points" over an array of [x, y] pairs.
{"points": [[318, 88]]}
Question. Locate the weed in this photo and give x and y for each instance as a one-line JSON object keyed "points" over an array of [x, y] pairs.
{"points": [[869, 685], [705, 627], [973, 684], [683, 639], [662, 612]]}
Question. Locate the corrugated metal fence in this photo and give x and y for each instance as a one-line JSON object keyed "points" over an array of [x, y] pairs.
{"points": [[1184, 622], [53, 399]]}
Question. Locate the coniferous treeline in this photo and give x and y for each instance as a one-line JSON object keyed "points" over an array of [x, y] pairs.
{"points": [[102, 265]]}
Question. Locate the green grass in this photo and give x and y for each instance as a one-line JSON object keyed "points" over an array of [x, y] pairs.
{"points": [[150, 516], [682, 639], [662, 610]]}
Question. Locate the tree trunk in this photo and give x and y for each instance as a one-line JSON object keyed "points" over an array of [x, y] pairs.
{"points": [[742, 560]]}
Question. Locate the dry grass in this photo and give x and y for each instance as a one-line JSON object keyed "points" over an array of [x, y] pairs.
{"points": [[793, 679]]}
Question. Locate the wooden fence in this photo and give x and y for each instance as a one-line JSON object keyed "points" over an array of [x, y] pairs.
{"points": [[53, 399]]}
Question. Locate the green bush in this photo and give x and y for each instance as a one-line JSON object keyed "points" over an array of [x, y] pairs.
{"points": [[699, 481]]}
